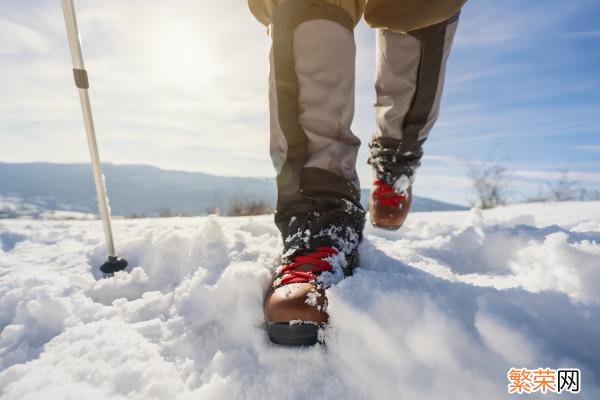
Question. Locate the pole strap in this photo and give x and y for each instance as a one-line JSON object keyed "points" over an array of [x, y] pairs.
{"points": [[81, 78]]}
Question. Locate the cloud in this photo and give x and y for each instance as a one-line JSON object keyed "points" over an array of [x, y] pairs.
{"points": [[587, 177], [161, 79], [16, 38], [185, 86], [443, 159], [595, 148], [514, 23], [578, 34], [469, 76]]}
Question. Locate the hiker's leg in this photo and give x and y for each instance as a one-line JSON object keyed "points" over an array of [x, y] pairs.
{"points": [[409, 83], [311, 98], [414, 38], [311, 89]]}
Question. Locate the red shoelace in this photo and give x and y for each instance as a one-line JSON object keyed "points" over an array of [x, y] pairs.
{"points": [[315, 260], [386, 195]]}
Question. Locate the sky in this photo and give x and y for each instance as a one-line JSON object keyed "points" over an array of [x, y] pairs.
{"points": [[183, 85]]}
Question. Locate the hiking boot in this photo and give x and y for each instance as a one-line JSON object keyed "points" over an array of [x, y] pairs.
{"points": [[296, 304], [389, 209]]}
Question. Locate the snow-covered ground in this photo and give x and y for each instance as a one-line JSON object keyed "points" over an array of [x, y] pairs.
{"points": [[439, 310]]}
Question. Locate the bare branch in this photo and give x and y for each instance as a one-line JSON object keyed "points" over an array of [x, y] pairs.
{"points": [[490, 181]]}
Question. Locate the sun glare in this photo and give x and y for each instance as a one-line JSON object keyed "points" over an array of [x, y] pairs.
{"points": [[182, 54]]}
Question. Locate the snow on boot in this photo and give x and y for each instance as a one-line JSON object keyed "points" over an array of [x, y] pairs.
{"points": [[296, 304]]}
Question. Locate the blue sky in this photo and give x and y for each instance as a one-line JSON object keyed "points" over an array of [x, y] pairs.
{"points": [[182, 85]]}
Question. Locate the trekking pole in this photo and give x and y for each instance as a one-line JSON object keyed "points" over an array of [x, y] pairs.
{"points": [[114, 263]]}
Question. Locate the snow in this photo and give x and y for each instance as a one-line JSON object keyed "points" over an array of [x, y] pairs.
{"points": [[402, 184], [441, 309]]}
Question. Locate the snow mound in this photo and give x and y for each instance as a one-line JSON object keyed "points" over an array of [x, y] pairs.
{"points": [[441, 309]]}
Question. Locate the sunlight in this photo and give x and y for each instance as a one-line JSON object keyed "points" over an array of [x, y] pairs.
{"points": [[182, 54]]}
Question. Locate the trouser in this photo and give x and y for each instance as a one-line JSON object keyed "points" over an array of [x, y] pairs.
{"points": [[396, 15], [311, 96]]}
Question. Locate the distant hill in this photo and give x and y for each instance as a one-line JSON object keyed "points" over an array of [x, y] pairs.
{"points": [[142, 189], [420, 204]]}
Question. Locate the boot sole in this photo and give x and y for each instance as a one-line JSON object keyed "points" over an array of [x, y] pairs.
{"points": [[293, 335], [387, 228]]}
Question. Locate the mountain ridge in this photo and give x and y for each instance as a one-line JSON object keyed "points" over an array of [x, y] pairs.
{"points": [[146, 190]]}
